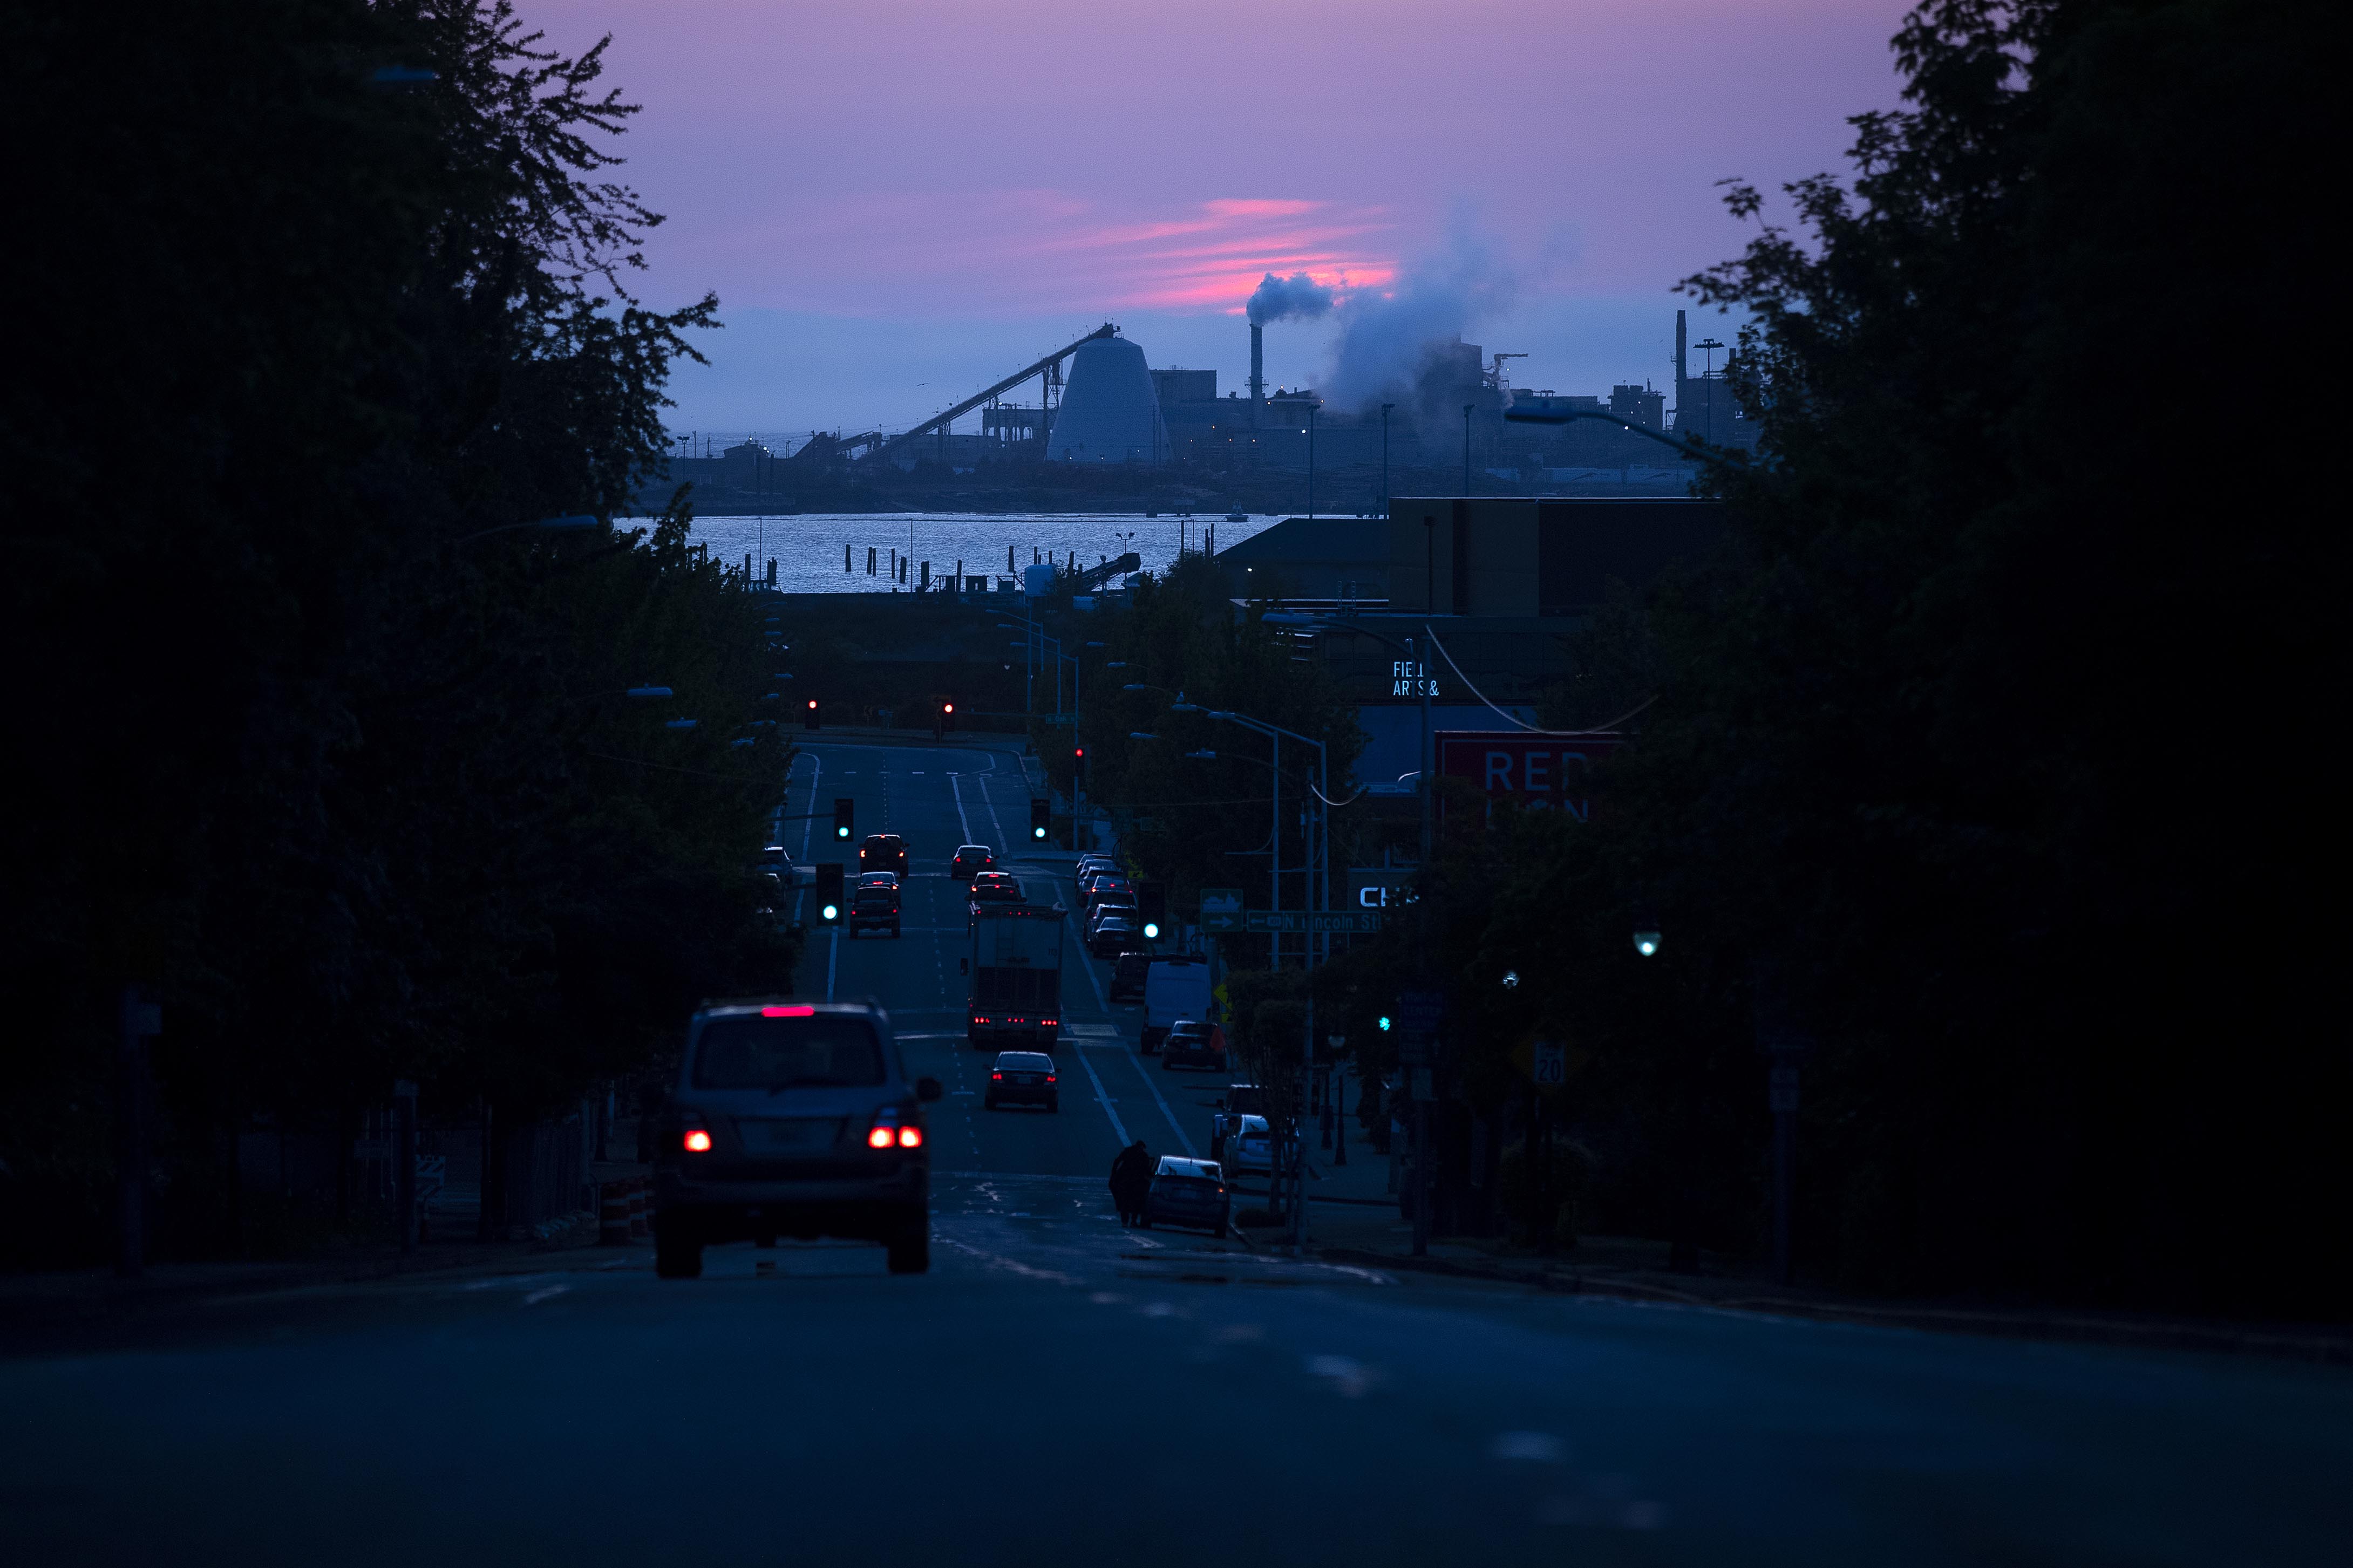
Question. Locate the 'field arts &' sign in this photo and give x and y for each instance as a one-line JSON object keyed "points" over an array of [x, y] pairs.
{"points": [[1543, 771]]}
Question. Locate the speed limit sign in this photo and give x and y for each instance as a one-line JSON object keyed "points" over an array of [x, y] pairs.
{"points": [[1549, 1067]]}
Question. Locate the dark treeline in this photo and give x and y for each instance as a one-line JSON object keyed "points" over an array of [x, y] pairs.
{"points": [[311, 741], [1983, 757]]}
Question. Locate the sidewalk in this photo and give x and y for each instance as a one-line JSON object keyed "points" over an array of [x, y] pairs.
{"points": [[34, 1307], [1633, 1268]]}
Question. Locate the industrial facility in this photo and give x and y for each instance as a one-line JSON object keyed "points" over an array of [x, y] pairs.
{"points": [[1098, 404]]}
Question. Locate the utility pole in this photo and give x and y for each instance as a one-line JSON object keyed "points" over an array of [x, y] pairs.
{"points": [[404, 1155], [138, 1021]]}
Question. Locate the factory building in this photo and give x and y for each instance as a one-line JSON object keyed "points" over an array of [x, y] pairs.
{"points": [[1111, 411]]}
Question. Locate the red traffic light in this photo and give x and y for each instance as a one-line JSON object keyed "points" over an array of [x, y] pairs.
{"points": [[812, 701], [1078, 751], [947, 707]]}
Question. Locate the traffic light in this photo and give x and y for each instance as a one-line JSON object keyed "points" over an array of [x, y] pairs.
{"points": [[1041, 818], [947, 717], [829, 892], [1152, 908], [808, 715], [845, 817], [1078, 765], [1385, 1022]]}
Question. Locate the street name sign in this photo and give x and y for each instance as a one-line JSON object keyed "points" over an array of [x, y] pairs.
{"points": [[1418, 1012], [1349, 920], [1221, 909]]}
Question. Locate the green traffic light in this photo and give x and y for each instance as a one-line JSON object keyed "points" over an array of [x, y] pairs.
{"points": [[1385, 1023], [832, 912]]}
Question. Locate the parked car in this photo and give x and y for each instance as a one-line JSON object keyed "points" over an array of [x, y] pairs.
{"points": [[1022, 1078], [971, 859], [1250, 1150], [882, 852], [1188, 1193], [1190, 1043], [1240, 1099], [1113, 936], [1108, 910], [1127, 979], [792, 1119]]}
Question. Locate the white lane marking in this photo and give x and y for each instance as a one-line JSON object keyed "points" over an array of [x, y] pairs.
{"points": [[1162, 1101], [832, 958], [807, 823], [1350, 1379], [1541, 1447], [1096, 1029], [1104, 1099], [994, 820], [958, 790], [536, 1297]]}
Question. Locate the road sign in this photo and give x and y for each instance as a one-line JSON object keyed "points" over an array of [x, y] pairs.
{"points": [[1349, 920], [1549, 1068], [1419, 1011], [1221, 909]]}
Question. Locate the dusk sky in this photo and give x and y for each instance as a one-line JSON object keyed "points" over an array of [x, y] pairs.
{"points": [[899, 201]]}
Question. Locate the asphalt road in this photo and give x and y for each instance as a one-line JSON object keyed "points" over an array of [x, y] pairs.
{"points": [[1057, 1390]]}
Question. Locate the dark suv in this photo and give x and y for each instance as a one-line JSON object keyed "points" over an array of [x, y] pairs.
{"points": [[884, 852], [971, 860], [792, 1119], [874, 907]]}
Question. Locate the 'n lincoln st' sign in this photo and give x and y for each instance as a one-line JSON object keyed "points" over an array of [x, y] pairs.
{"points": [[1537, 771]]}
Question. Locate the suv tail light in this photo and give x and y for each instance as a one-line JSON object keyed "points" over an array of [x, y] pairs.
{"points": [[698, 1141], [890, 1133], [995, 1076]]}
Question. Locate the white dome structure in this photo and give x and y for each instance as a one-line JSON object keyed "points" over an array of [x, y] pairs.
{"points": [[1110, 413]]}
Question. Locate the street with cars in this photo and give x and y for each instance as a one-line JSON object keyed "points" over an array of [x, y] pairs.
{"points": [[983, 1364]]}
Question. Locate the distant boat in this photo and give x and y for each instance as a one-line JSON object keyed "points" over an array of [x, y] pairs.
{"points": [[1237, 517]]}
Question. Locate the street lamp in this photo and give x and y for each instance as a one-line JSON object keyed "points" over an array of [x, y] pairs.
{"points": [[1646, 942], [1558, 411]]}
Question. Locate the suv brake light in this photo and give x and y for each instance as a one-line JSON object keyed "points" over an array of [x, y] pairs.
{"points": [[698, 1141], [879, 1137]]}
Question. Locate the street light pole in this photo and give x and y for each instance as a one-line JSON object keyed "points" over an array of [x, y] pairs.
{"points": [[1385, 457]]}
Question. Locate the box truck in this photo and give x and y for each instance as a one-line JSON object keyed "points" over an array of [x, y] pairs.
{"points": [[1016, 965]]}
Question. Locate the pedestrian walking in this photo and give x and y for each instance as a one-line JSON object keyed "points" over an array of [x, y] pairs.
{"points": [[1130, 1179]]}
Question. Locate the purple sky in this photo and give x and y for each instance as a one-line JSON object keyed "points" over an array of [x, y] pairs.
{"points": [[898, 201]]}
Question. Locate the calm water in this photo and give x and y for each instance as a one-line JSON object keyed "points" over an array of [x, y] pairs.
{"points": [[808, 548]]}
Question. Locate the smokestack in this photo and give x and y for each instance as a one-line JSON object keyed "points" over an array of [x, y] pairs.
{"points": [[1679, 358], [1258, 368]]}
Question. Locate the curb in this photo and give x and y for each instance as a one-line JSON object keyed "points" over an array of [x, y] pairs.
{"points": [[2329, 1349]]}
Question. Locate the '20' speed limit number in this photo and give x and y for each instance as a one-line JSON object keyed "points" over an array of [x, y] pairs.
{"points": [[1550, 1067]]}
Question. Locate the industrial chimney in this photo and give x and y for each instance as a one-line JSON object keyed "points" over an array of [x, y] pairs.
{"points": [[1258, 369]]}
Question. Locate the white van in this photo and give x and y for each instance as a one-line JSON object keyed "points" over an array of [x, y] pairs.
{"points": [[1175, 986]]}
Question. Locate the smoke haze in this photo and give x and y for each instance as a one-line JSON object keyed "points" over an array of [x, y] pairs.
{"points": [[1391, 341], [1282, 298]]}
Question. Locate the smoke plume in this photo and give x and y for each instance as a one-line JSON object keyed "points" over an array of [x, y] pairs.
{"points": [[1279, 299], [1397, 345]]}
